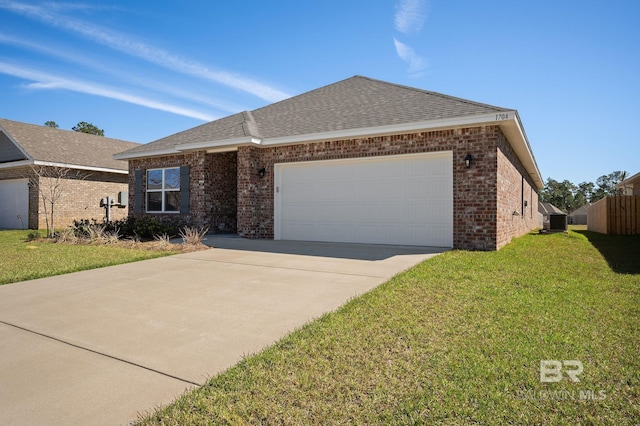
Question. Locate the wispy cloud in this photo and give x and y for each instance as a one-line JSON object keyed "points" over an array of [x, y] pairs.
{"points": [[146, 82], [410, 16], [126, 44], [83, 7], [48, 81], [416, 62]]}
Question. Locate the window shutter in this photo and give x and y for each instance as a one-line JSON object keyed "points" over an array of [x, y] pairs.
{"points": [[184, 189], [137, 205]]}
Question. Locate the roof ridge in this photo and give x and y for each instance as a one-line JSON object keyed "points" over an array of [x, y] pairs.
{"points": [[249, 125], [302, 94], [430, 92], [414, 89]]}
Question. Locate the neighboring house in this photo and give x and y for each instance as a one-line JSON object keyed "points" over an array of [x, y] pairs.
{"points": [[630, 186], [546, 210], [578, 216], [93, 174], [620, 214], [358, 161]]}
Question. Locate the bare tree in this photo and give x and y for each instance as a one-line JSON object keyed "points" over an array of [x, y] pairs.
{"points": [[52, 184]]}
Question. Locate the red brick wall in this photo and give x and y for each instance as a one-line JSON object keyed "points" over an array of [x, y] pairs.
{"points": [[226, 186], [213, 189], [474, 189], [514, 188]]}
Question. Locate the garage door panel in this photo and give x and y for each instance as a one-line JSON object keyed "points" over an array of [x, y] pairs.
{"points": [[14, 204], [404, 199]]}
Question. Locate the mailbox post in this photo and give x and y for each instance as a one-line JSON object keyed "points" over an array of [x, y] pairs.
{"points": [[108, 202]]}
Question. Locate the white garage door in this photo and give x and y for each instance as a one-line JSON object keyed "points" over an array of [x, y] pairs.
{"points": [[14, 204], [404, 199]]}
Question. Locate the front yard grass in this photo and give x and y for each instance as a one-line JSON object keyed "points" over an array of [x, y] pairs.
{"points": [[455, 340], [22, 260]]}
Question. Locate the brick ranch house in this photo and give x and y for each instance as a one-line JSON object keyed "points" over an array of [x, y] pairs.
{"points": [[92, 174], [358, 161]]}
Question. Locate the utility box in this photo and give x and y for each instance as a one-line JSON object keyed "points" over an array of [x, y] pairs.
{"points": [[557, 222], [123, 199]]}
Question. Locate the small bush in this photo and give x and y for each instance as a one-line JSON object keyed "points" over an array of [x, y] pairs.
{"points": [[143, 228], [32, 236], [84, 228], [66, 236], [193, 236], [163, 240]]}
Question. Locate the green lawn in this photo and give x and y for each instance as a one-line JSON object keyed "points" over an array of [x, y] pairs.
{"points": [[21, 260], [456, 340]]}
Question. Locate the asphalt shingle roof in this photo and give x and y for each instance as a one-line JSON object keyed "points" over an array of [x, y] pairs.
{"points": [[44, 143], [354, 103], [548, 208]]}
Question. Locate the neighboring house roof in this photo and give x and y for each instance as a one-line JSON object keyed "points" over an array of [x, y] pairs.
{"points": [[355, 107], [24, 144], [630, 182], [548, 208], [582, 211]]}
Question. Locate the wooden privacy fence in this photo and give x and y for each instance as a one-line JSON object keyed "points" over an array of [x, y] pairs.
{"points": [[619, 215]]}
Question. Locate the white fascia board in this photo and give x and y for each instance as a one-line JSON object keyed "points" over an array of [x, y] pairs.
{"points": [[518, 140], [23, 163], [509, 122], [154, 153], [216, 145], [14, 164], [446, 123], [80, 167]]}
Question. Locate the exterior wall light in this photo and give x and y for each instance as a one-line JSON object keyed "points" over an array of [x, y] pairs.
{"points": [[467, 160], [262, 172]]}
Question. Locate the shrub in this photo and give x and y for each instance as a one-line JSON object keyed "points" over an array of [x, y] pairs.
{"points": [[35, 235], [143, 228], [163, 240], [193, 236], [66, 236]]}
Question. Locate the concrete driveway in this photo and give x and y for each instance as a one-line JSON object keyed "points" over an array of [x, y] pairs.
{"points": [[102, 346]]}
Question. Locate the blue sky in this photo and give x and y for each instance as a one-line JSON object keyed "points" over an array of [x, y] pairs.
{"points": [[145, 69]]}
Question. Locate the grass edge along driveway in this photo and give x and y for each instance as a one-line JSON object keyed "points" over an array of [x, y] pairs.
{"points": [[22, 260], [457, 339]]}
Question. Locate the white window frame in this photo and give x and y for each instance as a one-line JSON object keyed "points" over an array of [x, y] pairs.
{"points": [[163, 190]]}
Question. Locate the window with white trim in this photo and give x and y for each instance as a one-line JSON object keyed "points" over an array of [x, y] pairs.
{"points": [[163, 190]]}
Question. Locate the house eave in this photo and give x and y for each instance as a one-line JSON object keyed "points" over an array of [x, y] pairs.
{"points": [[153, 153], [24, 163], [221, 145], [518, 140], [508, 121], [445, 123], [629, 182], [81, 167], [16, 164]]}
